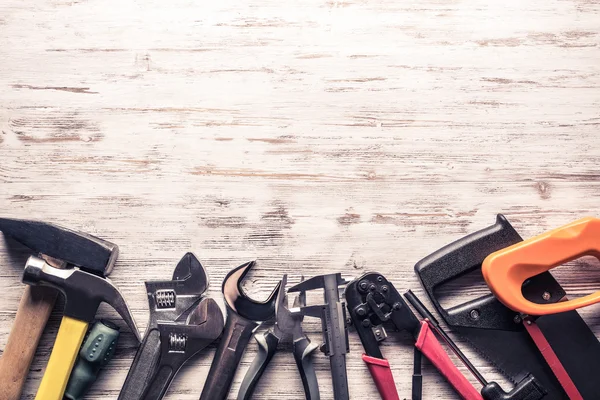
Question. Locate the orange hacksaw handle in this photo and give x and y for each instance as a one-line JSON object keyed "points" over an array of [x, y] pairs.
{"points": [[506, 270]]}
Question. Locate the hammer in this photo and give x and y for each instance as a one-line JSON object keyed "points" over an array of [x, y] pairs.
{"points": [[84, 292], [61, 247]]}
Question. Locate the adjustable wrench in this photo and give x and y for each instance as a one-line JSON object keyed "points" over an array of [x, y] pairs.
{"points": [[180, 342], [169, 301]]}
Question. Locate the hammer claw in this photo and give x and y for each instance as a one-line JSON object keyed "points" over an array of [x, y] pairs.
{"points": [[123, 309]]}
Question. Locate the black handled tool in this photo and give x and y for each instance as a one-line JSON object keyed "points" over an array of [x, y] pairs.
{"points": [[287, 323], [243, 316], [335, 331], [169, 301], [179, 342], [528, 389], [497, 332]]}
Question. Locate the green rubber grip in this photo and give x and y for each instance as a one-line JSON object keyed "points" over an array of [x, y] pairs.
{"points": [[96, 351]]}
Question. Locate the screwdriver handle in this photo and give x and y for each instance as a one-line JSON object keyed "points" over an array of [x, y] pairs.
{"points": [[96, 351]]}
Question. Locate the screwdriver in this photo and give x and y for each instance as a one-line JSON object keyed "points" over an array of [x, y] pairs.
{"points": [[528, 388]]}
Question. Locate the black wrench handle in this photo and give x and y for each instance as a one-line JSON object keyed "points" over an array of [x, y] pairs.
{"points": [[303, 350], [143, 367], [267, 346], [160, 383], [237, 334]]}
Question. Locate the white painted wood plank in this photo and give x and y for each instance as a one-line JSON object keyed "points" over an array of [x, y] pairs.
{"points": [[318, 136]]}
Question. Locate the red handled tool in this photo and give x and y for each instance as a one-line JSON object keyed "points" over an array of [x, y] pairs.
{"points": [[528, 389], [372, 300]]}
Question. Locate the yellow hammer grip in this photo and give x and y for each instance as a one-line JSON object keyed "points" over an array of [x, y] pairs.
{"points": [[67, 344]]}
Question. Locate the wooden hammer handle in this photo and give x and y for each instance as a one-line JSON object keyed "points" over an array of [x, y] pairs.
{"points": [[33, 313]]}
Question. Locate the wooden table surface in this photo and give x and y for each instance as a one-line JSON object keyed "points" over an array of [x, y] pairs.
{"points": [[315, 136]]}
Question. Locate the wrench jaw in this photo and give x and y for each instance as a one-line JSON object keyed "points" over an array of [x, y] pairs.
{"points": [[237, 301], [192, 274], [203, 326], [173, 300]]}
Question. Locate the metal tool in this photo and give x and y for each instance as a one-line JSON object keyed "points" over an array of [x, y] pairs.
{"points": [[491, 390], [506, 270], [169, 301], [179, 342], [61, 247], [374, 301], [287, 323], [84, 292], [499, 333], [97, 350], [243, 316], [333, 321]]}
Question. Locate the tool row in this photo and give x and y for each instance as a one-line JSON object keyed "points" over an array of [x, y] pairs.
{"points": [[524, 326]]}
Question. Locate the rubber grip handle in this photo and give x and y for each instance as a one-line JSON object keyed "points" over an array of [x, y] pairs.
{"points": [[159, 384], [33, 312], [96, 351], [236, 336], [65, 350], [382, 376], [428, 344], [303, 350], [143, 367], [267, 346]]}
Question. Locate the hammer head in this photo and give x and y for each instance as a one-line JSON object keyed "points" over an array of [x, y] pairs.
{"points": [[83, 291], [85, 251]]}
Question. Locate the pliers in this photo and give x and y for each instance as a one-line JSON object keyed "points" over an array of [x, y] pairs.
{"points": [[287, 322], [372, 301]]}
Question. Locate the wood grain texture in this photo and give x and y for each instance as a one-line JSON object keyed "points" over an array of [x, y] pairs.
{"points": [[316, 136]]}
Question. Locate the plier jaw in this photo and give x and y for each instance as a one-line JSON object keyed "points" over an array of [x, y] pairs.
{"points": [[289, 321]]}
